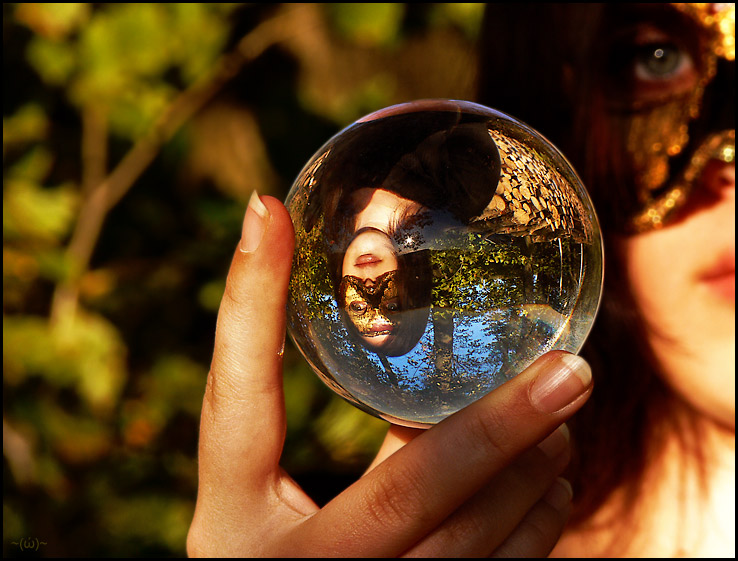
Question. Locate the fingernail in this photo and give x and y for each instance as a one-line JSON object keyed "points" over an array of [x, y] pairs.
{"points": [[562, 380], [254, 224], [556, 442], [559, 495]]}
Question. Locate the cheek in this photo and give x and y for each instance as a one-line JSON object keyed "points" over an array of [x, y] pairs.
{"points": [[691, 336], [658, 279]]}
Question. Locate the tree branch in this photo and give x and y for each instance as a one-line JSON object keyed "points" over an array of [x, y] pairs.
{"points": [[107, 193]]}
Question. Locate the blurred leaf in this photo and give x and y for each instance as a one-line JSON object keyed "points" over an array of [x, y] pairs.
{"points": [[75, 438], [211, 294], [27, 351], [93, 285], [28, 124], [87, 355], [348, 433], [54, 60], [147, 521], [368, 24], [466, 15], [301, 386], [136, 107], [93, 345], [132, 39], [34, 213], [53, 20], [19, 265], [13, 524], [34, 166], [207, 22], [176, 383]]}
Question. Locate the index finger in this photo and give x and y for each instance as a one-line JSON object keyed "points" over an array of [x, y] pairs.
{"points": [[242, 424]]}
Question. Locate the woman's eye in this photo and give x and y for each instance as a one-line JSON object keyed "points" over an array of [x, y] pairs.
{"points": [[393, 307], [358, 307], [661, 62], [650, 65]]}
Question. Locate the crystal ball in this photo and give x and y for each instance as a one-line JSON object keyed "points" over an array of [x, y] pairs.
{"points": [[441, 248]]}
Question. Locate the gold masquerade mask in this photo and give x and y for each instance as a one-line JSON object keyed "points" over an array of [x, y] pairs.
{"points": [[658, 131], [369, 303]]}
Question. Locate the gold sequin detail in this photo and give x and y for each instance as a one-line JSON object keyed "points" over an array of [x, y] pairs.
{"points": [[719, 146], [656, 134], [719, 21]]}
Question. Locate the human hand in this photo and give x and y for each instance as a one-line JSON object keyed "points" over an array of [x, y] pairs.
{"points": [[482, 482]]}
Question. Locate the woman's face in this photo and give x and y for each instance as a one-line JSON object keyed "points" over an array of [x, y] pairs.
{"points": [[369, 289], [681, 263], [369, 255], [683, 278]]}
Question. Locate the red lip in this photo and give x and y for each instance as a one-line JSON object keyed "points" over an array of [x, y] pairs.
{"points": [[379, 328], [721, 278], [367, 259]]}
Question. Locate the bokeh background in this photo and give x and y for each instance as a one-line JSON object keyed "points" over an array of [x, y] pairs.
{"points": [[133, 136]]}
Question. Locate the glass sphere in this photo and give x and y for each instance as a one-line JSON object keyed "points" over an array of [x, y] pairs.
{"points": [[441, 247]]}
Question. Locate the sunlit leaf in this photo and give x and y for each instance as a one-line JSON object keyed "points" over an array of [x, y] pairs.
{"points": [[466, 15], [53, 20], [74, 438], [94, 346], [87, 355], [300, 389], [211, 294], [28, 124], [346, 432], [207, 23], [165, 523], [136, 107], [55, 61], [176, 383], [34, 166], [28, 350], [32, 212], [369, 24]]}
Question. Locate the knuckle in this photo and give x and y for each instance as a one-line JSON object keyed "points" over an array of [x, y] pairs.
{"points": [[489, 433], [462, 534], [396, 497]]}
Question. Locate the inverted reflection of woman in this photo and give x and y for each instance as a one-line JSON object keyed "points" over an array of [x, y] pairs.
{"points": [[382, 194], [384, 290]]}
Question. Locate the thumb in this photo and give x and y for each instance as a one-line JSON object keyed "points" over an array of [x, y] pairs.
{"points": [[243, 417]]}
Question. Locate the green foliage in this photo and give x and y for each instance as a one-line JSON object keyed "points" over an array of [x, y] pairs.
{"points": [[376, 24], [105, 358]]}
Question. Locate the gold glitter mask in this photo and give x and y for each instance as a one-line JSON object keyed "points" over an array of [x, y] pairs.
{"points": [[370, 304], [659, 130]]}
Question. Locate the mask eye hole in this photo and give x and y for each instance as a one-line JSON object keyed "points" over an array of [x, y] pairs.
{"points": [[358, 307], [392, 306]]}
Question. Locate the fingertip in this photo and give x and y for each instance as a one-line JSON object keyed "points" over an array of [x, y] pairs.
{"points": [[267, 226], [560, 379]]}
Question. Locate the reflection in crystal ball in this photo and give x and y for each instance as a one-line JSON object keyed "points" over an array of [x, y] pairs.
{"points": [[441, 247]]}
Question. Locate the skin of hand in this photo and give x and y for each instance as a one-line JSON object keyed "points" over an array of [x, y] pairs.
{"points": [[482, 482]]}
